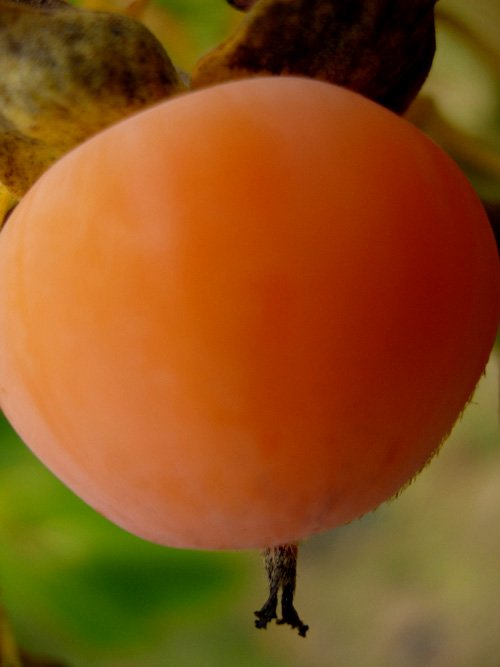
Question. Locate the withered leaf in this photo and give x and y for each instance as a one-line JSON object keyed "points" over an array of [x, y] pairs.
{"points": [[381, 48], [242, 5], [65, 74]]}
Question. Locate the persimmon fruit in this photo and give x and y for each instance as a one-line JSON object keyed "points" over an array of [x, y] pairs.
{"points": [[247, 314]]}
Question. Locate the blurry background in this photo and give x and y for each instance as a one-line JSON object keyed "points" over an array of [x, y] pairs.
{"points": [[415, 583]]}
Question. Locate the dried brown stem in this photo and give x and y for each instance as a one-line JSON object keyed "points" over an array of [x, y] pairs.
{"points": [[281, 567]]}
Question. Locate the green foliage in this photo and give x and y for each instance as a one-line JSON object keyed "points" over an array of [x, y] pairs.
{"points": [[75, 583], [203, 24]]}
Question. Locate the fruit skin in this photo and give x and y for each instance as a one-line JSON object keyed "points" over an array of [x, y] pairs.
{"points": [[246, 315]]}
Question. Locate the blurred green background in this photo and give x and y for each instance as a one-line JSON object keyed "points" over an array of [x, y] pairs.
{"points": [[415, 583]]}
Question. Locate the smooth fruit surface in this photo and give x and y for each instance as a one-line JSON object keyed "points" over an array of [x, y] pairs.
{"points": [[246, 315]]}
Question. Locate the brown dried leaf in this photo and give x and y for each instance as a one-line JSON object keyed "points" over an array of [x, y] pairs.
{"points": [[380, 48], [67, 73], [242, 5]]}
